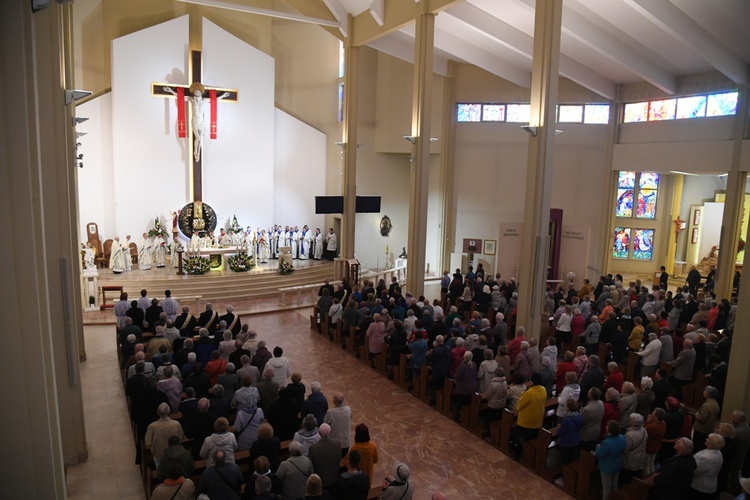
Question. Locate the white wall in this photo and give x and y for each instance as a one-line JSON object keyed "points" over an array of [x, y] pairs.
{"points": [[238, 166], [96, 178], [299, 172], [150, 162]]}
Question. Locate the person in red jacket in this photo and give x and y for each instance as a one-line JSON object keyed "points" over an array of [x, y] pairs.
{"points": [[615, 379], [514, 346], [611, 409], [562, 368]]}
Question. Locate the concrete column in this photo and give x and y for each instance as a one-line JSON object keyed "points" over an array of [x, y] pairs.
{"points": [[43, 416], [733, 204], [349, 177], [535, 234], [607, 219], [447, 169], [420, 160]]}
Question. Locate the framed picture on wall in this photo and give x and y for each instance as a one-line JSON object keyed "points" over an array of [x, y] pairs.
{"points": [[697, 217], [490, 246], [695, 236]]}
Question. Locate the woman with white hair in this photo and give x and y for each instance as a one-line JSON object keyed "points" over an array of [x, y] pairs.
{"points": [[399, 488], [293, 473], [708, 464], [522, 365], [628, 403], [500, 330], [465, 382], [634, 459], [486, 371], [645, 399]]}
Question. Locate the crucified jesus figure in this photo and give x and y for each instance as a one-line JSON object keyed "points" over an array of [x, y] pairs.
{"points": [[198, 123]]}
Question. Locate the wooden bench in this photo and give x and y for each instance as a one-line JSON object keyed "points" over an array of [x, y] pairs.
{"points": [[314, 319], [630, 368], [577, 475], [444, 403], [546, 440], [337, 332], [403, 365], [635, 490]]}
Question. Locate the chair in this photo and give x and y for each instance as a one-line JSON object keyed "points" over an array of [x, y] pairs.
{"points": [[104, 256], [133, 252]]}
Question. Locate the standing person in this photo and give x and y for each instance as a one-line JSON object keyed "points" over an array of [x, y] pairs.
{"points": [[367, 450], [121, 310], [674, 477], [609, 454], [318, 242], [466, 385], [331, 244], [530, 411], [340, 419], [708, 464], [399, 487], [664, 278], [293, 473], [693, 280], [569, 435]]}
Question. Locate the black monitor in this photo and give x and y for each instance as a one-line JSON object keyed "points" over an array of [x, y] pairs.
{"points": [[368, 204], [329, 204]]}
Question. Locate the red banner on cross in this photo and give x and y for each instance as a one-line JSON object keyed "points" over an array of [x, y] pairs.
{"points": [[181, 123], [212, 96]]}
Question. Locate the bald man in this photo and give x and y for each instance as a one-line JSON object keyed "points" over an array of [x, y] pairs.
{"points": [[325, 456]]}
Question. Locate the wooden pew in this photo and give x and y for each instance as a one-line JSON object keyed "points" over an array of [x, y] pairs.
{"points": [[495, 430], [603, 352], [337, 333], [636, 490], [420, 385], [380, 360], [630, 368], [543, 443], [446, 399], [506, 423], [577, 475], [325, 324], [470, 414], [350, 341], [403, 365]]}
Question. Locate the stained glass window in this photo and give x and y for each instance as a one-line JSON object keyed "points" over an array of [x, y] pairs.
{"points": [[518, 113], [570, 113], [596, 114], [661, 110], [643, 244], [722, 104], [341, 102], [691, 107], [624, 203], [636, 112], [469, 112], [648, 185], [493, 113], [621, 243], [648, 180], [626, 180]]}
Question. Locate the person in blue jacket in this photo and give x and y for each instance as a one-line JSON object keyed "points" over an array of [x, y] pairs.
{"points": [[609, 454], [568, 435]]}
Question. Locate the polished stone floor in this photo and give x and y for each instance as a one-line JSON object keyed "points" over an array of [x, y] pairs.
{"points": [[442, 455]]}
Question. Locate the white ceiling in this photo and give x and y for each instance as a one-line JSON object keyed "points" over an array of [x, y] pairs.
{"points": [[604, 42]]}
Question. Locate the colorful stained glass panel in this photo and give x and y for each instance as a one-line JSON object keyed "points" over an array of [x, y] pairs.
{"points": [[662, 110], [596, 114], [636, 112], [691, 107], [469, 112], [649, 180], [626, 180], [646, 204], [570, 113], [643, 244], [518, 113], [722, 104], [621, 243], [493, 113], [624, 203]]}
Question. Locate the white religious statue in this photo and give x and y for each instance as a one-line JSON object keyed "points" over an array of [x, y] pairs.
{"points": [[263, 247], [295, 242], [117, 259], [160, 251], [89, 257], [318, 240], [195, 242], [144, 255], [305, 243], [331, 244]]}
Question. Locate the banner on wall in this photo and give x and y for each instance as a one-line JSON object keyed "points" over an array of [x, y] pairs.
{"points": [[509, 250], [574, 252]]}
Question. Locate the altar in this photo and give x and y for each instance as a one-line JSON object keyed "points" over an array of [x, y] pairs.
{"points": [[217, 255]]}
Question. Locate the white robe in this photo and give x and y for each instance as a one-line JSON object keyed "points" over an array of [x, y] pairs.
{"points": [[263, 248], [305, 241], [332, 242], [160, 251], [117, 261], [144, 255], [295, 244], [195, 242], [318, 253]]}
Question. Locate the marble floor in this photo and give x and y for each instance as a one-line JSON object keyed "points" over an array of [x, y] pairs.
{"points": [[441, 454]]}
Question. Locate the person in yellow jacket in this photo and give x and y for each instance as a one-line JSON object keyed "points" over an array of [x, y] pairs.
{"points": [[636, 335], [530, 411]]}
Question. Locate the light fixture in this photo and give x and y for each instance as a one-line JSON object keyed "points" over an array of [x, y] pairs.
{"points": [[80, 134], [75, 95], [682, 173], [530, 129], [410, 138], [340, 144], [434, 139], [79, 119]]}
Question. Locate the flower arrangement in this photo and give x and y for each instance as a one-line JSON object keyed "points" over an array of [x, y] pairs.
{"points": [[234, 227], [195, 264], [240, 262], [285, 267], [740, 245], [157, 230]]}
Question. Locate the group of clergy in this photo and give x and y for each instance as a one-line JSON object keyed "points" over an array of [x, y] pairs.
{"points": [[152, 251]]}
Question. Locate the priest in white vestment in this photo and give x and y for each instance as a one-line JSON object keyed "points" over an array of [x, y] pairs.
{"points": [[295, 242], [117, 257], [331, 244], [318, 241], [277, 236], [305, 243], [144, 254], [195, 242], [128, 257], [160, 251]]}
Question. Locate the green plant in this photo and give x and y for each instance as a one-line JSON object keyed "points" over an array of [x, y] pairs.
{"points": [[240, 262]]}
